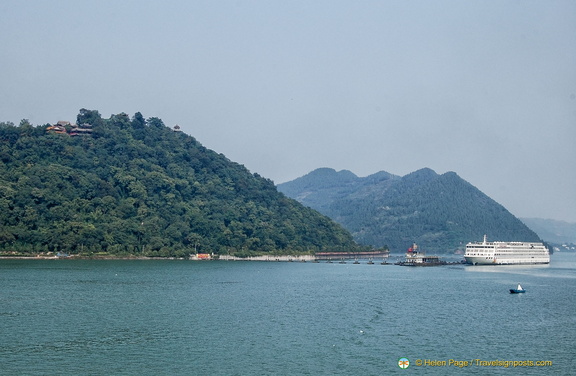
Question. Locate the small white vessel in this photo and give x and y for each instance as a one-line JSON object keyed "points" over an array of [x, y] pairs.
{"points": [[517, 290]]}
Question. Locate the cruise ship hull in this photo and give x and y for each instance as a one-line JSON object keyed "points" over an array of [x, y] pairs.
{"points": [[505, 261]]}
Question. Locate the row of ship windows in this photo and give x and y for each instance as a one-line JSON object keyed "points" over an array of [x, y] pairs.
{"points": [[508, 253], [505, 251], [499, 254], [505, 247]]}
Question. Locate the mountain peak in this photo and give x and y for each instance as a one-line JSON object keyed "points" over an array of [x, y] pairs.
{"points": [[422, 174], [330, 173], [440, 212]]}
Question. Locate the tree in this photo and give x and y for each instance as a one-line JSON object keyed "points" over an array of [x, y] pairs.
{"points": [[120, 120], [25, 127], [138, 121], [91, 117], [155, 122]]}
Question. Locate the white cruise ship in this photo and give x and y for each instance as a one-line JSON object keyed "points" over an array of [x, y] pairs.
{"points": [[506, 253]]}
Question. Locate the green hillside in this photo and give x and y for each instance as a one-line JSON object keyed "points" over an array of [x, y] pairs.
{"points": [[134, 186], [440, 212]]}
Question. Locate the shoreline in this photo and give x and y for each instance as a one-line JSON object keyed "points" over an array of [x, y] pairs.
{"points": [[266, 258], [37, 257]]}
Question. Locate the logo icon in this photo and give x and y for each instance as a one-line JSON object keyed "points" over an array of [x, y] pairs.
{"points": [[403, 363]]}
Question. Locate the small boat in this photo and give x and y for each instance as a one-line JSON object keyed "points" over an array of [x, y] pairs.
{"points": [[517, 290]]}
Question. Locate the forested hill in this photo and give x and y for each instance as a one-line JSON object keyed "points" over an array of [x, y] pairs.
{"points": [[439, 212], [134, 186]]}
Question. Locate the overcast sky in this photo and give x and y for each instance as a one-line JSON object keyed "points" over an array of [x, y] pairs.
{"points": [[486, 89]]}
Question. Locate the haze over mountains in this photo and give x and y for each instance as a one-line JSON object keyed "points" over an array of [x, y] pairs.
{"points": [[558, 232], [439, 212], [134, 186]]}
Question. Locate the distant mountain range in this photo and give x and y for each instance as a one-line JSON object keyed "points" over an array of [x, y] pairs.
{"points": [[439, 212], [553, 231]]}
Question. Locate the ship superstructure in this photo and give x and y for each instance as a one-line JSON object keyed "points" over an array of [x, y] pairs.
{"points": [[506, 253]]}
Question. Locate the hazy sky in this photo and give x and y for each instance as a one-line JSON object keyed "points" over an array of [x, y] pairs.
{"points": [[483, 88]]}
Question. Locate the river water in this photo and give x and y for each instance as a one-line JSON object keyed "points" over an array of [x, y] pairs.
{"points": [[176, 317]]}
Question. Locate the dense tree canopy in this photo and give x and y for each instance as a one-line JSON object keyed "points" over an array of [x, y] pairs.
{"points": [[134, 186]]}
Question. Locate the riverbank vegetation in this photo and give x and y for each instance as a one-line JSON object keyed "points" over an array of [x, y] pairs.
{"points": [[133, 186]]}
